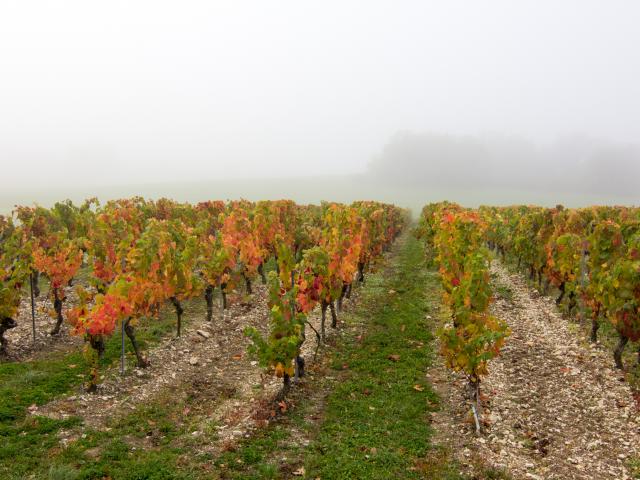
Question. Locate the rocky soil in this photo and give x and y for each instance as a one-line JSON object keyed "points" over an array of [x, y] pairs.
{"points": [[555, 407], [21, 345]]}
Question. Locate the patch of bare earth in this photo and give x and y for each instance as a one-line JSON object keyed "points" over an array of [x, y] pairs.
{"points": [[20, 342], [205, 351], [555, 408]]}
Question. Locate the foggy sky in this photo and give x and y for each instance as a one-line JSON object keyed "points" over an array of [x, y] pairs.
{"points": [[572, 164], [125, 92]]}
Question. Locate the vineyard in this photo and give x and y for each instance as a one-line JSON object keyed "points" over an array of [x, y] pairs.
{"points": [[586, 262], [140, 255], [158, 339], [103, 273]]}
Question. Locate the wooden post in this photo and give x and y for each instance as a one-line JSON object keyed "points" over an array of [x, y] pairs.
{"points": [[122, 351], [583, 274], [33, 308], [221, 304], [298, 361]]}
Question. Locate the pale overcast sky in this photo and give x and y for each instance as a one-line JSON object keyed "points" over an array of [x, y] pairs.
{"points": [[144, 91]]}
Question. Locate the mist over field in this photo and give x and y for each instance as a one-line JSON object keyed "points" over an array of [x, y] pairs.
{"points": [[493, 102], [452, 312]]}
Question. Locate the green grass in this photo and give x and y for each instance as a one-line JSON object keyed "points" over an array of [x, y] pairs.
{"points": [[155, 441], [148, 443], [26, 441], [376, 422]]}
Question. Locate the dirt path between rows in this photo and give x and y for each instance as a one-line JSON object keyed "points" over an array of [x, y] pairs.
{"points": [[212, 353], [556, 408]]}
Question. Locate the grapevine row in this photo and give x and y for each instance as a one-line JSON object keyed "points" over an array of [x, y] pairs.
{"points": [[141, 254], [591, 255], [455, 238]]}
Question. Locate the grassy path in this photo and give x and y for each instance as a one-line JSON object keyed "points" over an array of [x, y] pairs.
{"points": [[376, 423], [370, 418]]}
